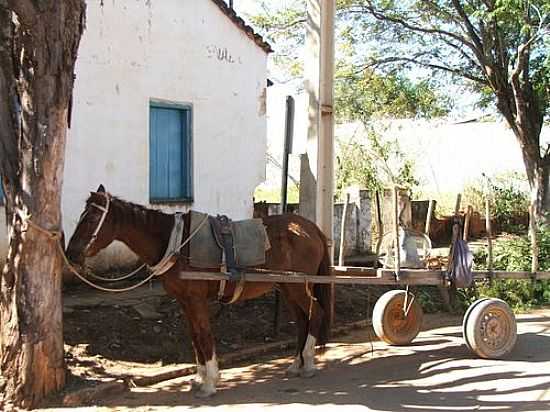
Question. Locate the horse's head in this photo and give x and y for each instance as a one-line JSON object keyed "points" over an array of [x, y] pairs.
{"points": [[95, 229]]}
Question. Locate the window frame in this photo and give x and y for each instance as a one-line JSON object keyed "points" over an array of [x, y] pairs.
{"points": [[186, 109]]}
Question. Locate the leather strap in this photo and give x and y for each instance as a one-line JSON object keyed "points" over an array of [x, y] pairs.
{"points": [[224, 232], [239, 287]]}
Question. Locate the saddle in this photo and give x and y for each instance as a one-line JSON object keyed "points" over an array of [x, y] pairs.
{"points": [[228, 246], [223, 242]]}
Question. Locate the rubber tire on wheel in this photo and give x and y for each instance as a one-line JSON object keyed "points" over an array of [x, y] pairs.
{"points": [[389, 322], [465, 321], [490, 329]]}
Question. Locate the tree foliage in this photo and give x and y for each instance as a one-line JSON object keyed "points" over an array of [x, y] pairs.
{"points": [[360, 94], [514, 254], [498, 48], [365, 95], [374, 164]]}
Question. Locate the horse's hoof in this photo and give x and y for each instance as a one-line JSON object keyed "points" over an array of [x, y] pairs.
{"points": [[205, 391], [204, 394], [293, 372], [195, 384], [308, 373]]}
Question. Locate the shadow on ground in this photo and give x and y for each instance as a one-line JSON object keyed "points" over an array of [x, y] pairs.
{"points": [[404, 381]]}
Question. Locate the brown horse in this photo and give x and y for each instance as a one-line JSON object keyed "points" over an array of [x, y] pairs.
{"points": [[296, 245]]}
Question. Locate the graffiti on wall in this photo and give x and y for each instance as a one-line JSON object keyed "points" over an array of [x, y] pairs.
{"points": [[222, 54]]}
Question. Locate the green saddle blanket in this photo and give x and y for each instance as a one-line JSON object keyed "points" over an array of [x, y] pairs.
{"points": [[250, 243]]}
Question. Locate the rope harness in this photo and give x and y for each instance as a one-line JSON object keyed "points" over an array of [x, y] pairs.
{"points": [[167, 262], [157, 270]]}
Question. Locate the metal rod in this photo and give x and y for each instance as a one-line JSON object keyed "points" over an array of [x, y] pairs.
{"points": [[289, 133]]}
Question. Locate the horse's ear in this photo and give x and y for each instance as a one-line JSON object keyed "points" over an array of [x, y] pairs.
{"points": [[100, 189]]}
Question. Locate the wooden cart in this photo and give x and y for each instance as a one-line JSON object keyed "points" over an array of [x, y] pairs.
{"points": [[489, 325]]}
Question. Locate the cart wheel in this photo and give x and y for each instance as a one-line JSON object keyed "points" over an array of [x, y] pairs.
{"points": [[490, 328], [389, 321], [465, 321]]}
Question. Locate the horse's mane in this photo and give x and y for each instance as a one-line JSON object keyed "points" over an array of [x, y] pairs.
{"points": [[136, 214]]}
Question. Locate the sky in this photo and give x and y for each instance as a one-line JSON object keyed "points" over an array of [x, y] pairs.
{"points": [[245, 6]]}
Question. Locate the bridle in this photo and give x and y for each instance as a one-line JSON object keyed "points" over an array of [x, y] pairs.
{"points": [[104, 213], [155, 271]]}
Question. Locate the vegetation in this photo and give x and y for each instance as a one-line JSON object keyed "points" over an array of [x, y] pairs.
{"points": [[498, 49], [366, 95], [509, 197], [513, 253], [373, 164], [273, 195]]}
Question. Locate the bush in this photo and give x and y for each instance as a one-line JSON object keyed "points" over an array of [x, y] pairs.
{"points": [[514, 254], [510, 200]]}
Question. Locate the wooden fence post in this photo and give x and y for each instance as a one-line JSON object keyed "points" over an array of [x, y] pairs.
{"points": [[343, 232]]}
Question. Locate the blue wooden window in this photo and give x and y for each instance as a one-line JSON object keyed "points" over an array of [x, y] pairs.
{"points": [[170, 153]]}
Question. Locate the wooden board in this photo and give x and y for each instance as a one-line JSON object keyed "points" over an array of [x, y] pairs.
{"points": [[347, 275], [501, 274], [379, 277]]}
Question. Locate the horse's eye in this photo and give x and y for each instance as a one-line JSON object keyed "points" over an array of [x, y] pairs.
{"points": [[82, 216]]}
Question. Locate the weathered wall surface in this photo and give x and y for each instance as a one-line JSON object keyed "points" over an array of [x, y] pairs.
{"points": [[178, 51]]}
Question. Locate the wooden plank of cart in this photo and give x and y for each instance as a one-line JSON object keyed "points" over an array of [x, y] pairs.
{"points": [[489, 326]]}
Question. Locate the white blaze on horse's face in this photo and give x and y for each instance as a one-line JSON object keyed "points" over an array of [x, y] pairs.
{"points": [[104, 212], [84, 241]]}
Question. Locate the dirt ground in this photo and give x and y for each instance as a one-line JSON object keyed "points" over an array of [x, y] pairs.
{"points": [[435, 373], [138, 333]]}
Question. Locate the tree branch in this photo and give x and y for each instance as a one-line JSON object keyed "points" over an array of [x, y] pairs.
{"points": [[417, 62], [380, 15], [469, 26], [461, 50]]}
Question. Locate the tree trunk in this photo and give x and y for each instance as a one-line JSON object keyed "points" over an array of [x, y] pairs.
{"points": [[540, 191], [537, 169], [527, 125], [38, 47]]}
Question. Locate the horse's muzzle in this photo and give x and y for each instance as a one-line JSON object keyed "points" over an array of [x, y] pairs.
{"points": [[76, 259]]}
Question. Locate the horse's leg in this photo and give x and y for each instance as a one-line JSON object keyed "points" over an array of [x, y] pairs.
{"points": [[207, 367], [197, 381], [301, 332], [313, 313]]}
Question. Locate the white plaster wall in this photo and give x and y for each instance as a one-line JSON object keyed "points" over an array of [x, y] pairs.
{"points": [[449, 156], [134, 51]]}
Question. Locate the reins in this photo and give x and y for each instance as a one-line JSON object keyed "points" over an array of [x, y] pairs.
{"points": [[57, 236]]}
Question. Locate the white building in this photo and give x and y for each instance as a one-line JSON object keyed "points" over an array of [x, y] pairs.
{"points": [[169, 109]]}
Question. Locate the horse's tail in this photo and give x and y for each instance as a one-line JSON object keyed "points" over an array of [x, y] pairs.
{"points": [[323, 294]]}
